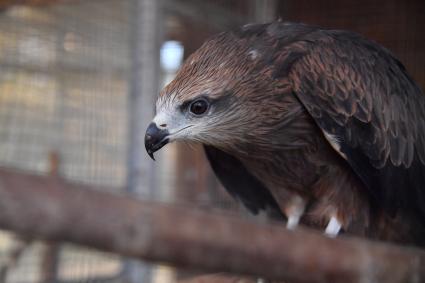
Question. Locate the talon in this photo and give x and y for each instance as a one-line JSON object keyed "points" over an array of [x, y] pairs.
{"points": [[333, 227], [293, 221], [294, 212]]}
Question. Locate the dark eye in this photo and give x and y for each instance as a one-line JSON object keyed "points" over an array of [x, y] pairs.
{"points": [[199, 107]]}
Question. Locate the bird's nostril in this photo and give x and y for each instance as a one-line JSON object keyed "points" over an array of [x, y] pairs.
{"points": [[163, 125]]}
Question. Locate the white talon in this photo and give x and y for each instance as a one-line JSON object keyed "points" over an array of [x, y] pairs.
{"points": [[333, 228], [294, 212], [293, 221]]}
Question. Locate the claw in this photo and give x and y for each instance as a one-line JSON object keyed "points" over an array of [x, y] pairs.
{"points": [[333, 227], [293, 221], [294, 212]]}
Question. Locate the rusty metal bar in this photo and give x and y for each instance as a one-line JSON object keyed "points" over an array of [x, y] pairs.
{"points": [[50, 209]]}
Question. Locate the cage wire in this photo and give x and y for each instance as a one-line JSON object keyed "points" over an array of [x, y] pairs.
{"points": [[65, 69], [63, 91], [64, 84]]}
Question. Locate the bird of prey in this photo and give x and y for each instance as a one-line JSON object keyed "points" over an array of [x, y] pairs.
{"points": [[315, 126]]}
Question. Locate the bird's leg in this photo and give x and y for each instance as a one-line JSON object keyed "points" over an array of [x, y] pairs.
{"points": [[333, 227], [294, 212]]}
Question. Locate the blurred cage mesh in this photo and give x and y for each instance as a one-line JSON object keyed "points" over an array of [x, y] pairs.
{"points": [[65, 70], [64, 90]]}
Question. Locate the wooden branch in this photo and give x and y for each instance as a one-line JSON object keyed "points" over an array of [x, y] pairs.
{"points": [[50, 209]]}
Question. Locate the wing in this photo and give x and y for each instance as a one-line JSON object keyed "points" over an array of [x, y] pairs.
{"points": [[241, 184], [372, 112]]}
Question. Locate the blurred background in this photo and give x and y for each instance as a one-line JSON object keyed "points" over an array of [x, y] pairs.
{"points": [[78, 81]]}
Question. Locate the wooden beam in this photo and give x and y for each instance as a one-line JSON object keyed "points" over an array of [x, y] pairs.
{"points": [[50, 209]]}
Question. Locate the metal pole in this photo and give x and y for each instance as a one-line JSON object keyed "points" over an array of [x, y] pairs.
{"points": [[50, 258], [264, 11], [143, 88], [144, 82]]}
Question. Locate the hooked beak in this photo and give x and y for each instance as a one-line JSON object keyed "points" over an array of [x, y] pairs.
{"points": [[155, 138]]}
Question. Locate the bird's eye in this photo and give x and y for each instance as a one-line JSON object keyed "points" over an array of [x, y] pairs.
{"points": [[199, 107]]}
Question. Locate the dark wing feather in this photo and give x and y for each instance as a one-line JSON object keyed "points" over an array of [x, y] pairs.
{"points": [[358, 92], [241, 184]]}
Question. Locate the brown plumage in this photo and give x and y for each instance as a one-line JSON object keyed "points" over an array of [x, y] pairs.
{"points": [[321, 126]]}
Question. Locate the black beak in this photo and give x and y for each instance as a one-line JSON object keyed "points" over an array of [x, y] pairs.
{"points": [[155, 138]]}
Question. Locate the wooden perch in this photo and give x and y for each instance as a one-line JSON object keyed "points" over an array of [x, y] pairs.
{"points": [[50, 209]]}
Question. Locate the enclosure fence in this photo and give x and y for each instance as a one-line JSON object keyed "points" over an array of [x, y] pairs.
{"points": [[79, 199]]}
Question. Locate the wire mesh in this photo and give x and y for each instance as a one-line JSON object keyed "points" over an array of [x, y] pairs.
{"points": [[65, 70], [63, 90], [64, 83]]}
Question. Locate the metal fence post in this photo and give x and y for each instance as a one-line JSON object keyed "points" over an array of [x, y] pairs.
{"points": [[264, 11], [143, 88]]}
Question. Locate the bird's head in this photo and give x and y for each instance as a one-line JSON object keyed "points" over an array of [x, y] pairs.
{"points": [[219, 96]]}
